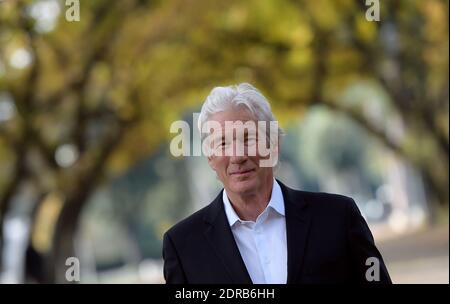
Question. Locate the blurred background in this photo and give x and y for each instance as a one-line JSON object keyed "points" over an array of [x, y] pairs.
{"points": [[86, 107]]}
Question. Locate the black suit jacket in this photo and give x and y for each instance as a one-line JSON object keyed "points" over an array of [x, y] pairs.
{"points": [[328, 241]]}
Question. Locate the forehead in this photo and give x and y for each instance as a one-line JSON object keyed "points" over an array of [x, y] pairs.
{"points": [[232, 115]]}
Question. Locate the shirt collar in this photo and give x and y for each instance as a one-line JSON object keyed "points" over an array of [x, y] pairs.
{"points": [[276, 203]]}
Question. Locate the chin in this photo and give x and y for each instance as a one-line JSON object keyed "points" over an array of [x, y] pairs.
{"points": [[243, 186]]}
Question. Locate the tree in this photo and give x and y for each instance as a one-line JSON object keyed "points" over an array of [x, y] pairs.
{"points": [[106, 89]]}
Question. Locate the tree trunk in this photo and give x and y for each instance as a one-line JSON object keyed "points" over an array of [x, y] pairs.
{"points": [[63, 242]]}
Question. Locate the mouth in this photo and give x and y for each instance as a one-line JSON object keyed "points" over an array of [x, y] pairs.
{"points": [[242, 172]]}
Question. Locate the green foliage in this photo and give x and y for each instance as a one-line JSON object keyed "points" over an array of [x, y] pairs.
{"points": [[112, 83]]}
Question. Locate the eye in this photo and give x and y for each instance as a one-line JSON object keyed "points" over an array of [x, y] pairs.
{"points": [[221, 144]]}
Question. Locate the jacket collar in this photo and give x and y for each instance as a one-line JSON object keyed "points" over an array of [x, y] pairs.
{"points": [[219, 235]]}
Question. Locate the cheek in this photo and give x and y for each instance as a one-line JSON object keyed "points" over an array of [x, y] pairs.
{"points": [[219, 164], [255, 159], [224, 166]]}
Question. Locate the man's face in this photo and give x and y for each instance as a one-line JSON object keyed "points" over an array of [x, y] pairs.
{"points": [[240, 173]]}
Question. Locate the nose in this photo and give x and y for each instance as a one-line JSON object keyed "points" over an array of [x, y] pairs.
{"points": [[237, 160], [240, 153]]}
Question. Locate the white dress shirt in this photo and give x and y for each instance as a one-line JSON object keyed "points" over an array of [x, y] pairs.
{"points": [[262, 244]]}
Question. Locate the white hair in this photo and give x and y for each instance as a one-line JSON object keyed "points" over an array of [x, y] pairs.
{"points": [[231, 97]]}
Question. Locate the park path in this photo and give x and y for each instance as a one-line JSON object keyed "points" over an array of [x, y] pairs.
{"points": [[420, 257]]}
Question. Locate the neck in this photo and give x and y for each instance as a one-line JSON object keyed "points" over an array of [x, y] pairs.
{"points": [[249, 206]]}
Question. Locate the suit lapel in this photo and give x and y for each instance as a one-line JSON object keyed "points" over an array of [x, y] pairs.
{"points": [[219, 235], [298, 219]]}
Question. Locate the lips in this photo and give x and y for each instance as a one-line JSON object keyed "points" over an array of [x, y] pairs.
{"points": [[241, 172]]}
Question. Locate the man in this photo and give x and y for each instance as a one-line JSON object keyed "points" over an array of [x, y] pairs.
{"points": [[257, 230]]}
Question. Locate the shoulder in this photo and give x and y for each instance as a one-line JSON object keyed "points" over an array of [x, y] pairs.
{"points": [[327, 209], [327, 199], [331, 204], [321, 202], [193, 226], [189, 224]]}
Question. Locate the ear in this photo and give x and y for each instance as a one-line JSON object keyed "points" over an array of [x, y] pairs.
{"points": [[211, 163], [276, 150]]}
